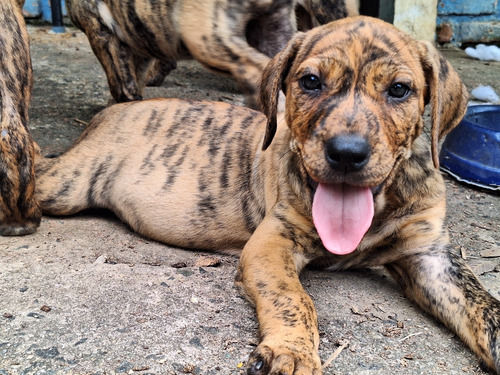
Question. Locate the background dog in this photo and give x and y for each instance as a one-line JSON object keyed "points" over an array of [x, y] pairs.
{"points": [[139, 42], [19, 210], [312, 13], [346, 180]]}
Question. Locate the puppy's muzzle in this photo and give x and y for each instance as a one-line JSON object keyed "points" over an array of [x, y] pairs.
{"points": [[347, 153]]}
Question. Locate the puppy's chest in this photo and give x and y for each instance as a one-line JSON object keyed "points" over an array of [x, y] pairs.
{"points": [[394, 230]]}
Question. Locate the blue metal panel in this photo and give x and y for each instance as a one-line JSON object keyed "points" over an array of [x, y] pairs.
{"points": [[32, 8], [469, 7], [472, 21], [37, 8]]}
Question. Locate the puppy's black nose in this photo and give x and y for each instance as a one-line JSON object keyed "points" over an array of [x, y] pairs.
{"points": [[347, 152]]}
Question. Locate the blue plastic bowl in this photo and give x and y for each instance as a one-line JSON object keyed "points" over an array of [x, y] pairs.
{"points": [[471, 151]]}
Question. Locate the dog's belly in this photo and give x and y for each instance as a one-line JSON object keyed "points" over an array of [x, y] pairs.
{"points": [[184, 173], [185, 212]]}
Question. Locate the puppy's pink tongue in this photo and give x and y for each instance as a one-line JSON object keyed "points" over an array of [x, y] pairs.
{"points": [[342, 214]]}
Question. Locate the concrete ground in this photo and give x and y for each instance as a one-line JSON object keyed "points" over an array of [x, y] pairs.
{"points": [[85, 295]]}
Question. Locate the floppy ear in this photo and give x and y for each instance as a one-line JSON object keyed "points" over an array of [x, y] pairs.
{"points": [[273, 80], [446, 93]]}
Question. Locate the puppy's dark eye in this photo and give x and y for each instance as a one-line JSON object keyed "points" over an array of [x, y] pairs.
{"points": [[398, 90], [310, 82]]}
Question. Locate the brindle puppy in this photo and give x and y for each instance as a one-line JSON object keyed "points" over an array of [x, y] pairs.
{"points": [[139, 41], [345, 181], [19, 210]]}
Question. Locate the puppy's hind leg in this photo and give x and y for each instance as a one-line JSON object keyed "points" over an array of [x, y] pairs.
{"points": [[64, 184]]}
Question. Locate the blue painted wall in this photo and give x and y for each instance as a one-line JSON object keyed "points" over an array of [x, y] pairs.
{"points": [[472, 21], [37, 8]]}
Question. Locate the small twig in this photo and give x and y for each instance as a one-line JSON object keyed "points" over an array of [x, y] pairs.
{"points": [[463, 252], [335, 354], [81, 122], [407, 337], [368, 315], [226, 97], [355, 311], [481, 226]]}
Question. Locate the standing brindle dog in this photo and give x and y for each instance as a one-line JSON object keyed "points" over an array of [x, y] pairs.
{"points": [[140, 41], [19, 210], [344, 180]]}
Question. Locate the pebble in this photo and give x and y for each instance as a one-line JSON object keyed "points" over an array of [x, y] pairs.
{"points": [[178, 265], [124, 367], [47, 353], [36, 315], [207, 261]]}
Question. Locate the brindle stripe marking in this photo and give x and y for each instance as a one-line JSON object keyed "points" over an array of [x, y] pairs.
{"points": [[148, 165], [168, 153], [135, 26], [114, 170], [173, 171], [226, 166], [176, 125], [249, 201], [154, 123], [310, 44], [100, 170]]}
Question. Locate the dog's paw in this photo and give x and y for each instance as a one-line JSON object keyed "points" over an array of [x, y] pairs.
{"points": [[18, 229], [283, 359]]}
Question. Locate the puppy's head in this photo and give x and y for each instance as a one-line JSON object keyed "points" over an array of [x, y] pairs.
{"points": [[361, 83], [356, 90]]}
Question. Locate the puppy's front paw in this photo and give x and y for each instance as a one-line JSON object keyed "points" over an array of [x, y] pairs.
{"points": [[284, 358]]}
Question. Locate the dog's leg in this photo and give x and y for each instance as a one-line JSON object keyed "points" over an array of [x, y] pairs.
{"points": [[79, 178], [158, 70], [232, 56], [240, 38], [19, 210], [117, 60], [288, 328], [64, 185], [116, 57], [270, 32], [443, 285]]}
